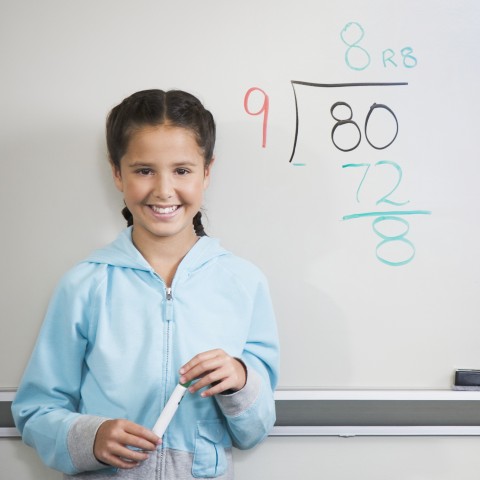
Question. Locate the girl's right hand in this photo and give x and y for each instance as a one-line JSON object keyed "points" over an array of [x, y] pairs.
{"points": [[115, 436]]}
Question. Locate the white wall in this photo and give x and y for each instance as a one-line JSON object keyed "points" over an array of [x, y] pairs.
{"points": [[313, 459]]}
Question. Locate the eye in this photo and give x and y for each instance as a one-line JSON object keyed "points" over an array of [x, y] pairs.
{"points": [[144, 171], [182, 171]]}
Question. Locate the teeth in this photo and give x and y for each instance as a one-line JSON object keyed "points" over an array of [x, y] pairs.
{"points": [[164, 210]]}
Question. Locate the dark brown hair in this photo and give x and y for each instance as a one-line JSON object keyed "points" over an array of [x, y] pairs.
{"points": [[153, 108]]}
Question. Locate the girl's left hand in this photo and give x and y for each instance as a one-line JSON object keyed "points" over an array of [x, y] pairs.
{"points": [[215, 368]]}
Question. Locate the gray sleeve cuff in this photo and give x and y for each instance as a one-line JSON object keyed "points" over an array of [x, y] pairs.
{"points": [[80, 440], [236, 403]]}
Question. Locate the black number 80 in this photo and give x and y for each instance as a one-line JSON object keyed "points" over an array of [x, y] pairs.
{"points": [[349, 121]]}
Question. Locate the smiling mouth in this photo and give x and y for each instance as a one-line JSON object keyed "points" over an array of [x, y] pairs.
{"points": [[164, 210]]}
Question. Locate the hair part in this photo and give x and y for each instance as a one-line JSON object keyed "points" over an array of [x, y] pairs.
{"points": [[154, 108]]}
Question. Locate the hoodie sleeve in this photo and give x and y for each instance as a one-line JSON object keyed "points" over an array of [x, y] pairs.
{"points": [[250, 412], [46, 405]]}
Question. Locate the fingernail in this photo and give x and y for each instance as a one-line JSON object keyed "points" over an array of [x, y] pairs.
{"points": [[182, 370]]}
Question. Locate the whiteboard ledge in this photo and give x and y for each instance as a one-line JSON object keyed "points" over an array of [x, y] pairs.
{"points": [[9, 432], [388, 431], [7, 395], [341, 431], [373, 394]]}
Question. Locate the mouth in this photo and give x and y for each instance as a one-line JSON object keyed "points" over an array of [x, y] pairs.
{"points": [[164, 210]]}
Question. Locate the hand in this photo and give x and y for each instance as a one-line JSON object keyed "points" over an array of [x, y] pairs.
{"points": [[215, 368], [111, 442]]}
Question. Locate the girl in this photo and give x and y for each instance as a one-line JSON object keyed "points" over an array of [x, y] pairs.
{"points": [[162, 304]]}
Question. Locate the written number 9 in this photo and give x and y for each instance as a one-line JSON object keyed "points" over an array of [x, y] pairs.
{"points": [[263, 109]]}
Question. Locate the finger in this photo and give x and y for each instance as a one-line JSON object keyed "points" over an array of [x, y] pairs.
{"points": [[217, 389], [203, 369], [199, 358], [116, 442], [137, 442], [203, 378], [141, 437], [117, 429], [223, 375], [199, 373], [120, 462], [135, 436], [122, 457], [231, 376]]}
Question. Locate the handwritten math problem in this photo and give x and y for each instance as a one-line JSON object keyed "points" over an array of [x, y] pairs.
{"points": [[351, 125]]}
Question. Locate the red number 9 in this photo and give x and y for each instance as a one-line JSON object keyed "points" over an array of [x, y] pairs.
{"points": [[263, 109]]}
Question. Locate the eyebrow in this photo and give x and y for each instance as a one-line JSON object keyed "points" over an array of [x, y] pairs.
{"points": [[147, 164]]}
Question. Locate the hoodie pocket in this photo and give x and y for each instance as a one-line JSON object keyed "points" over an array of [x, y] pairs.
{"points": [[209, 458]]}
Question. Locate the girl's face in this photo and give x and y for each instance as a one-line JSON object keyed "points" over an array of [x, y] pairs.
{"points": [[163, 177]]}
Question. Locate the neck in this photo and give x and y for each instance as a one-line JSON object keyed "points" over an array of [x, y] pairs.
{"points": [[164, 254]]}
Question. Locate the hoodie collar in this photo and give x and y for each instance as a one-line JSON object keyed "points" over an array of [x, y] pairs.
{"points": [[123, 253]]}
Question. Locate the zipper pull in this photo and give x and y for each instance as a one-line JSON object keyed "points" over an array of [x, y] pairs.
{"points": [[169, 305]]}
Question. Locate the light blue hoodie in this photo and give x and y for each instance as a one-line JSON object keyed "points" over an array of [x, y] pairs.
{"points": [[111, 346]]}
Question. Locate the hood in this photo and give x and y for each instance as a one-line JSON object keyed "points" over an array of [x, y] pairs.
{"points": [[123, 253]]}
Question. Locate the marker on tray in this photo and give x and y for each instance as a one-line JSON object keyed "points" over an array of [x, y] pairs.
{"points": [[170, 408]]}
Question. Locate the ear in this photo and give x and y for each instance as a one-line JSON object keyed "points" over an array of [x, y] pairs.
{"points": [[206, 178], [117, 177]]}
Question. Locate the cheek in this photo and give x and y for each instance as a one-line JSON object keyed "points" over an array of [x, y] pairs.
{"points": [[134, 190], [194, 190]]}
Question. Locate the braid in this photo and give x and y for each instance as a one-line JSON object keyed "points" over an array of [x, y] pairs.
{"points": [[127, 215], [197, 225]]}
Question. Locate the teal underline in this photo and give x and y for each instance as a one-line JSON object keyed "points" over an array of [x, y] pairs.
{"points": [[391, 213]]}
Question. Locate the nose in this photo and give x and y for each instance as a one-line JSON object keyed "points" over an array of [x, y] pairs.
{"points": [[164, 188]]}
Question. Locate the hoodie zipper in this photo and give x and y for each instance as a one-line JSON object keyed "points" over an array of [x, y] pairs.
{"points": [[168, 318]]}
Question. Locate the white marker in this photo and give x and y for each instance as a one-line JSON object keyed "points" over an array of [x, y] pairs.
{"points": [[170, 408]]}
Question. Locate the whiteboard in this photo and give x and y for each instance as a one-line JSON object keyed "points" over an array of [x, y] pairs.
{"points": [[372, 254]]}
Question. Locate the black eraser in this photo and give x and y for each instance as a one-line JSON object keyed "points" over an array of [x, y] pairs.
{"points": [[467, 378]]}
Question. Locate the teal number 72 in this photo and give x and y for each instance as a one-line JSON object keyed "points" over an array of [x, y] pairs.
{"points": [[385, 198]]}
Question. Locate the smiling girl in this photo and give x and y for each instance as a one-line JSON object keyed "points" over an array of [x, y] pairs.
{"points": [[162, 304]]}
